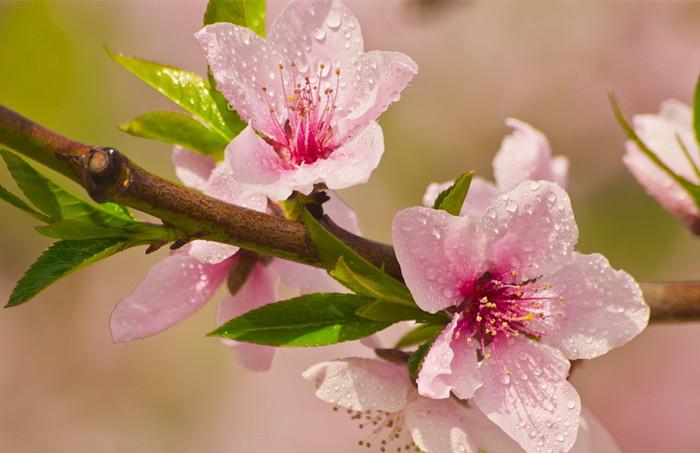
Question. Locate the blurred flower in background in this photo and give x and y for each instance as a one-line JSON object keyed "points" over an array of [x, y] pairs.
{"points": [[65, 387]]}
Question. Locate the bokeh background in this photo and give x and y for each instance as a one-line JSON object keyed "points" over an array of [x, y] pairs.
{"points": [[64, 387]]}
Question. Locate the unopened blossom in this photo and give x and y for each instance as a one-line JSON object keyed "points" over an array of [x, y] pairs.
{"points": [[670, 136], [392, 415], [522, 304], [524, 154], [182, 283], [310, 94]]}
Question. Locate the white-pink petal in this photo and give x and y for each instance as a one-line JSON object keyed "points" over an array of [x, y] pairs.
{"points": [[439, 426], [600, 308], [526, 154], [193, 169], [438, 253], [259, 289], [480, 196], [173, 289], [434, 373], [593, 437], [531, 229], [526, 393], [361, 384]]}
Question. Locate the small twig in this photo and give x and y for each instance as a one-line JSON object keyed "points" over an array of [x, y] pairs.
{"points": [[107, 175]]}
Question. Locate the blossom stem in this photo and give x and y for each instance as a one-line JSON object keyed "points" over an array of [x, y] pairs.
{"points": [[108, 175]]}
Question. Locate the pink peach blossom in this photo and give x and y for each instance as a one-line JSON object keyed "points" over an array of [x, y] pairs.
{"points": [[380, 396], [663, 134], [525, 154], [523, 304], [310, 94], [179, 285]]}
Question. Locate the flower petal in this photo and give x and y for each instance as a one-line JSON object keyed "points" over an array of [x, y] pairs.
{"points": [[534, 404], [231, 51], [193, 169], [260, 289], [532, 229], [303, 279], [377, 79], [341, 214], [593, 437], [361, 384], [602, 308], [438, 253], [211, 252], [173, 289], [438, 426], [526, 154]]}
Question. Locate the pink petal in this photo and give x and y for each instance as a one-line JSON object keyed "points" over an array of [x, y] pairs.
{"points": [[315, 32], [449, 366], [439, 426], [526, 154], [602, 308], [480, 196], [660, 185], [341, 214], [534, 404], [377, 79], [532, 229], [438, 253], [211, 252], [193, 169], [173, 289], [361, 384], [230, 51], [304, 279], [486, 434], [593, 437], [260, 289]]}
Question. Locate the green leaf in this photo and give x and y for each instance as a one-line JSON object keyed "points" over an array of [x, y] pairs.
{"points": [[59, 260], [391, 312], [248, 13], [55, 202], [696, 111], [419, 334], [117, 210], [352, 270], [17, 202], [177, 129], [184, 88], [452, 198], [317, 319], [234, 122], [415, 362], [77, 230]]}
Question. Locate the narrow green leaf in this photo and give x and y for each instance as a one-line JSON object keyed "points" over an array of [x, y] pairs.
{"points": [[17, 202], [177, 129], [419, 334], [452, 198], [391, 312], [415, 362], [696, 111], [55, 202], [184, 88], [353, 271], [248, 13], [117, 210], [77, 230], [234, 122], [312, 320], [59, 260]]}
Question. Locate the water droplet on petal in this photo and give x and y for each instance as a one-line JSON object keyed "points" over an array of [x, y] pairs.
{"points": [[333, 20]]}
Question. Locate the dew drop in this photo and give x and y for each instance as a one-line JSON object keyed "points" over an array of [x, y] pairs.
{"points": [[511, 206], [333, 20], [571, 404], [320, 34]]}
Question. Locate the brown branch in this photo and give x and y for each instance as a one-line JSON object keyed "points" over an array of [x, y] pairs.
{"points": [[108, 175]]}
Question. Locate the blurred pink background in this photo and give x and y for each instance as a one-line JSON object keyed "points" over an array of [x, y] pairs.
{"points": [[64, 387]]}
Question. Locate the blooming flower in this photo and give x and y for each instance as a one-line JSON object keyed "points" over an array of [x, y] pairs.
{"points": [[380, 397], [522, 302], [670, 136], [310, 94], [179, 285], [525, 154]]}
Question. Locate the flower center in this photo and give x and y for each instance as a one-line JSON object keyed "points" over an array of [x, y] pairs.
{"points": [[304, 131], [388, 431], [501, 307]]}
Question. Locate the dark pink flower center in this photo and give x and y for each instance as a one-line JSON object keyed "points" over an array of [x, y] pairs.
{"points": [[304, 130], [501, 307]]}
